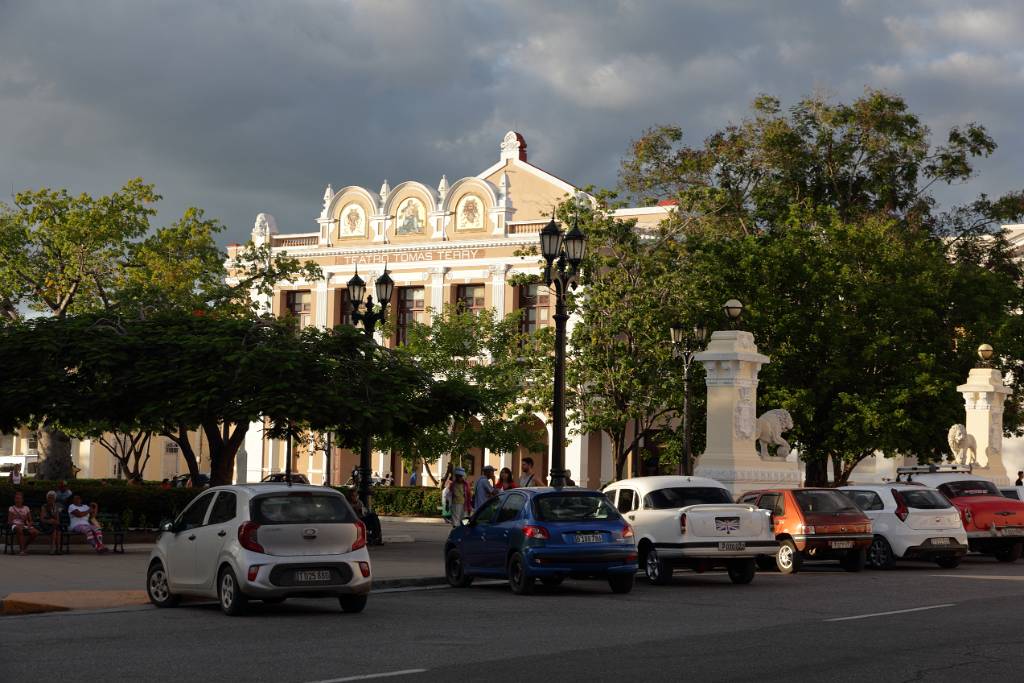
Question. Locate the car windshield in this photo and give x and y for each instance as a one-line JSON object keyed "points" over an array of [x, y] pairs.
{"points": [[925, 500], [301, 508], [823, 501], [973, 487], [666, 499], [570, 507]]}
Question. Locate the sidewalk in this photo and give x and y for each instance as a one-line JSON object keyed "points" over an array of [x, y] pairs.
{"points": [[83, 580]]}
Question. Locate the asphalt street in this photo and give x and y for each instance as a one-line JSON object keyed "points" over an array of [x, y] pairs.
{"points": [[916, 622]]}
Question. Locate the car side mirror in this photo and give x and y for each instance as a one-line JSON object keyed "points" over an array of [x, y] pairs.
{"points": [[167, 526], [467, 522]]}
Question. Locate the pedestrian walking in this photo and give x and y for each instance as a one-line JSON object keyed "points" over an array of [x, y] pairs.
{"points": [[458, 497], [568, 478], [19, 517], [483, 490], [16, 476], [1020, 478], [505, 480], [64, 493], [413, 478], [49, 521], [528, 477]]}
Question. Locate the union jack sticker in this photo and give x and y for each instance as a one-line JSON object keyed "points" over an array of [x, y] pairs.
{"points": [[727, 524]]}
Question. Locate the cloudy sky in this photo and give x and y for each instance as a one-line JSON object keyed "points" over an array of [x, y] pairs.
{"points": [[242, 106]]}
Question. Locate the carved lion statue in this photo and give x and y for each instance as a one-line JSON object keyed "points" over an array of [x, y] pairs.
{"points": [[960, 443], [770, 427]]}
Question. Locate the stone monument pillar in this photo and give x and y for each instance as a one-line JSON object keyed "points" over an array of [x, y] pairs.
{"points": [[984, 395], [732, 362]]}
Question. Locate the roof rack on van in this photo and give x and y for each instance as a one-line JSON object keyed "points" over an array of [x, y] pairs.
{"points": [[930, 469]]}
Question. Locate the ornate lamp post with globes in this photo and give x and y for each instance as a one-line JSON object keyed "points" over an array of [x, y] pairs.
{"points": [[369, 317], [686, 346], [563, 254]]}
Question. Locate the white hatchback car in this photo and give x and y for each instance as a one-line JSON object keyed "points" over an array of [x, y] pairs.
{"points": [[910, 522], [267, 542]]}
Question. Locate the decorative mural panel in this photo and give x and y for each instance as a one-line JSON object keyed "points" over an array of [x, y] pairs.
{"points": [[411, 217], [469, 213], [353, 221]]}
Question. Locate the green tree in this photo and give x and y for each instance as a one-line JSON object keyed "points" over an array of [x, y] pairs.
{"points": [[509, 371], [823, 220]]}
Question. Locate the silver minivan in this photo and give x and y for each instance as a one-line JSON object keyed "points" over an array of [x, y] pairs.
{"points": [[263, 542]]}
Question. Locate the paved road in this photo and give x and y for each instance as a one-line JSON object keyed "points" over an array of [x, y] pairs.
{"points": [[822, 624]]}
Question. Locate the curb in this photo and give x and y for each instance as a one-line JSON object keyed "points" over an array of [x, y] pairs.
{"points": [[410, 582]]}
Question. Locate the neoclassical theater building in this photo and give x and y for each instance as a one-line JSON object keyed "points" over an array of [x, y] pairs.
{"points": [[455, 241]]}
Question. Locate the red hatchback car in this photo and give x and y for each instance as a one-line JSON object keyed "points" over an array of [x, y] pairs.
{"points": [[813, 524]]}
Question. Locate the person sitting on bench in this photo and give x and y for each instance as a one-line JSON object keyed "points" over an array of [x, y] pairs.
{"points": [[79, 515], [19, 516]]}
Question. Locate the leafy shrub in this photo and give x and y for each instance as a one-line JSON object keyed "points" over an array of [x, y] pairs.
{"points": [[406, 501], [135, 505]]}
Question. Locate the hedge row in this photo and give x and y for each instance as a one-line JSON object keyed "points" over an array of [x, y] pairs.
{"points": [[141, 507], [146, 506]]}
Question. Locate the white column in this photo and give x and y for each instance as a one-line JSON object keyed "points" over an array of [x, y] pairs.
{"points": [[250, 456], [320, 292], [984, 395], [576, 456], [607, 458], [732, 363], [436, 289], [498, 278]]}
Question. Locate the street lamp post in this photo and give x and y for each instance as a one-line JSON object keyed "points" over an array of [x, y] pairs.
{"points": [[563, 254], [985, 352], [369, 317], [686, 347]]}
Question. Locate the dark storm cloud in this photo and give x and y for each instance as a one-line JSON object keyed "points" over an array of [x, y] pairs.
{"points": [[241, 107]]}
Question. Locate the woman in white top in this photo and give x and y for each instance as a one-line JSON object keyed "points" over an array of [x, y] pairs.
{"points": [[79, 515]]}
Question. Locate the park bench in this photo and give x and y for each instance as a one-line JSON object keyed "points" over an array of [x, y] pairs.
{"points": [[113, 530]]}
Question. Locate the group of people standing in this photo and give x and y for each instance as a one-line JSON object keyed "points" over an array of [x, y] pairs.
{"points": [[82, 519], [460, 500]]}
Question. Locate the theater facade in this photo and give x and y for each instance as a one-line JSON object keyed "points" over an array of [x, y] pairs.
{"points": [[457, 241]]}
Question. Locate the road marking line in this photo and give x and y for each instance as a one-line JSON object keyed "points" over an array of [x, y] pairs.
{"points": [[897, 611], [983, 578], [366, 677]]}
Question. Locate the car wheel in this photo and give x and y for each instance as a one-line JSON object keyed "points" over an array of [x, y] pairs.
{"points": [[657, 570], [552, 581], [948, 561], [232, 601], [854, 560], [621, 583], [520, 582], [765, 563], [880, 554], [158, 587], [788, 560], [742, 571], [454, 571], [352, 604], [1010, 553]]}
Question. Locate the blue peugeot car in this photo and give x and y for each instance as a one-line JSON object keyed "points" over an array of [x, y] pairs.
{"points": [[543, 533]]}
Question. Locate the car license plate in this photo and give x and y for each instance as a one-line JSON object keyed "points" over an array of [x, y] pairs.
{"points": [[840, 545], [1013, 531], [312, 575], [589, 538], [732, 545], [940, 541]]}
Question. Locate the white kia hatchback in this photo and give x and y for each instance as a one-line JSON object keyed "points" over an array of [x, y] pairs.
{"points": [[264, 542], [910, 522]]}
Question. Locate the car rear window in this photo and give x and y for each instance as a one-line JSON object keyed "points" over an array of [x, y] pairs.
{"points": [[823, 501], [666, 499], [925, 500], [972, 487], [569, 507], [301, 508]]}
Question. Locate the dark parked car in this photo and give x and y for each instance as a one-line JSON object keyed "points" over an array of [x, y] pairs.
{"points": [[543, 533]]}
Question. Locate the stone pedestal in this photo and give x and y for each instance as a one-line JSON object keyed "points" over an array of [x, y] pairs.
{"points": [[984, 395], [732, 363]]}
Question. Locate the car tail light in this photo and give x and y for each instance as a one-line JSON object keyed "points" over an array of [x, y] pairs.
{"points": [[539, 532], [364, 569], [254, 571], [901, 505], [360, 541], [682, 523], [627, 531], [247, 537]]}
